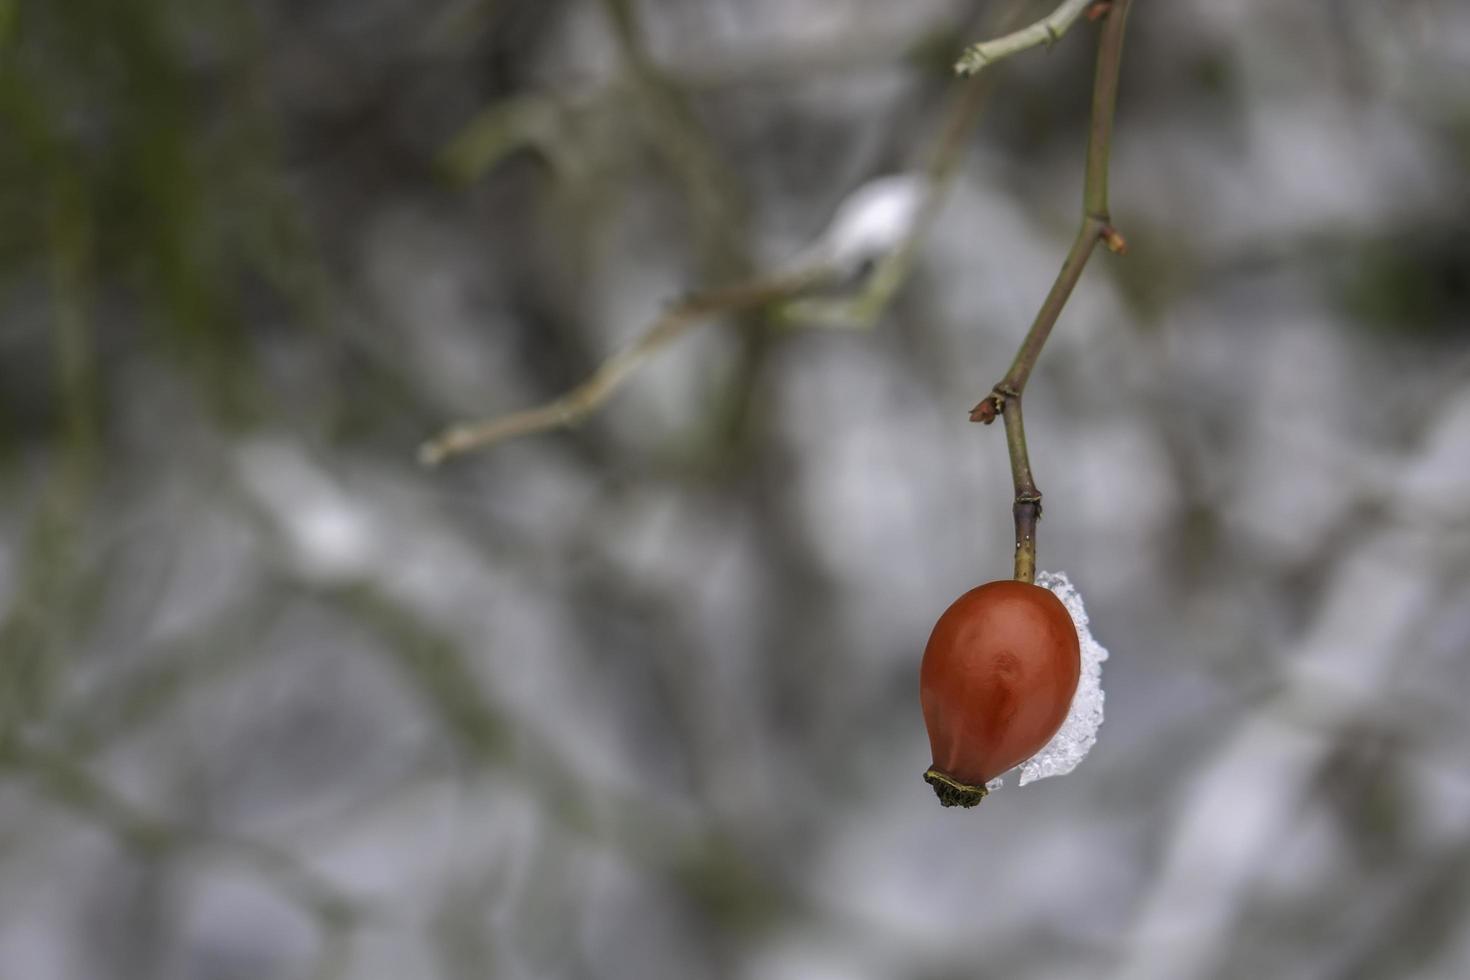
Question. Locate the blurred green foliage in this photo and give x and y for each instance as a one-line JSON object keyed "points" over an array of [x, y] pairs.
{"points": [[139, 142]]}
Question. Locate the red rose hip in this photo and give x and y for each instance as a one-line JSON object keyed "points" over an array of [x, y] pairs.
{"points": [[996, 683]]}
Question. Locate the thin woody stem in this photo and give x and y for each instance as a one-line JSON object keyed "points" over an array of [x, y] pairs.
{"points": [[1027, 508], [1096, 226], [1104, 98], [1051, 308]]}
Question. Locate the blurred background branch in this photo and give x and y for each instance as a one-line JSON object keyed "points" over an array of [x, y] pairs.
{"points": [[528, 122], [588, 397]]}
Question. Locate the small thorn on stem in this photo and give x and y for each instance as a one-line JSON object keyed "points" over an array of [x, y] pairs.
{"points": [[994, 403], [1114, 240], [986, 411]]}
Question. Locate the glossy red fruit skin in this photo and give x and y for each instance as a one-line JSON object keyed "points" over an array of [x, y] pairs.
{"points": [[996, 683]]}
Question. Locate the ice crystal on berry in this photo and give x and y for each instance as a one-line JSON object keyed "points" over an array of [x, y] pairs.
{"points": [[1078, 733], [1075, 738]]}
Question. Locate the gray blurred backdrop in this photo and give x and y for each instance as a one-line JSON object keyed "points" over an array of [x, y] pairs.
{"points": [[639, 700]]}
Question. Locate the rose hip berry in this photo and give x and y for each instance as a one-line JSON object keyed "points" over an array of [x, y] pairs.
{"points": [[996, 683]]}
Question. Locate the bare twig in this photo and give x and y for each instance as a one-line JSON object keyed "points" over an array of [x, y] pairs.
{"points": [[1046, 31], [1027, 507], [1005, 397], [590, 395]]}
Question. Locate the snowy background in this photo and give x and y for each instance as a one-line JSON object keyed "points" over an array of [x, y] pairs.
{"points": [[640, 700]]}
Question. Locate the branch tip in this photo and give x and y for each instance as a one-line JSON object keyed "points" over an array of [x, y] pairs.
{"points": [[1044, 32]]}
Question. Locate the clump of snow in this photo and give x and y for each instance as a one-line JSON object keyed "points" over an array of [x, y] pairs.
{"points": [[1078, 733], [871, 222]]}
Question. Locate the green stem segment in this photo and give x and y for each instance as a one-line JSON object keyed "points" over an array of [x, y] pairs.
{"points": [[1005, 397], [1104, 98]]}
